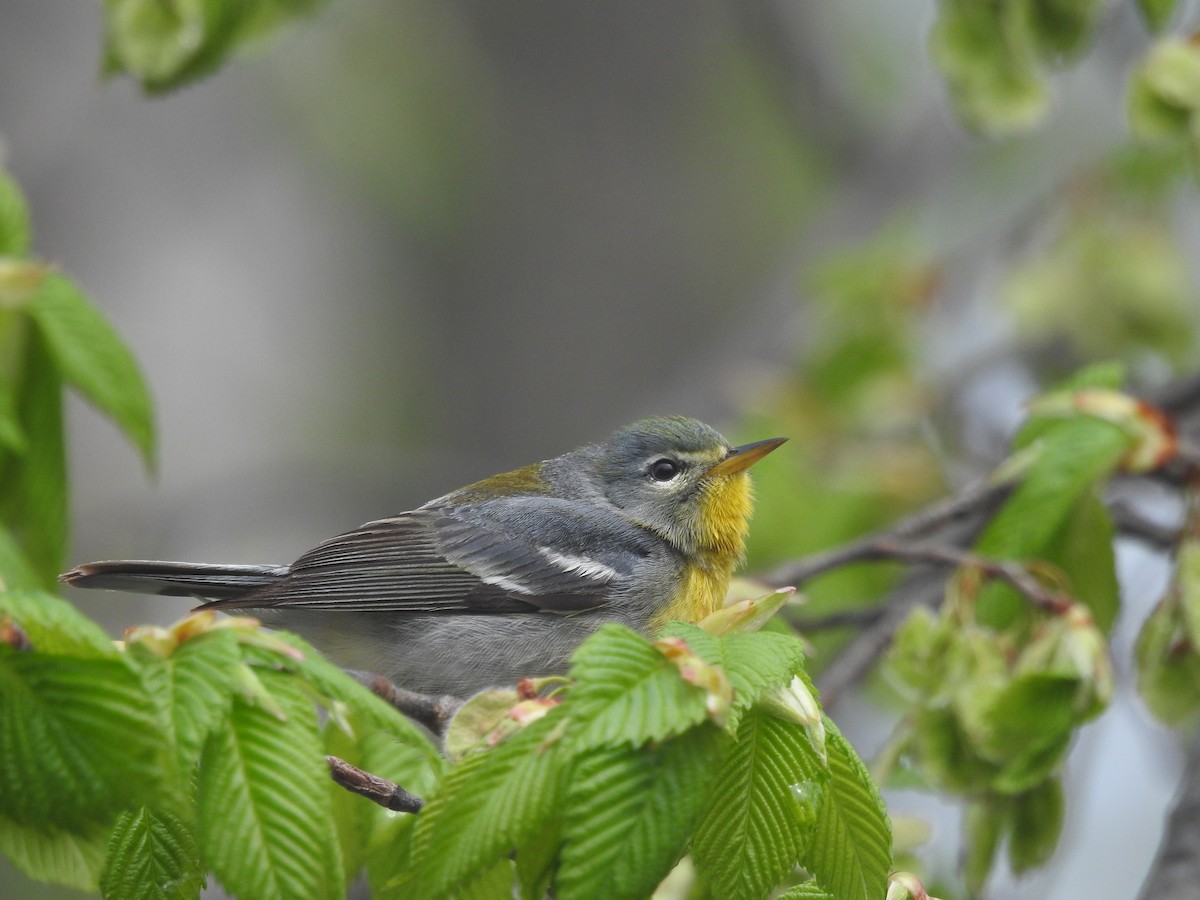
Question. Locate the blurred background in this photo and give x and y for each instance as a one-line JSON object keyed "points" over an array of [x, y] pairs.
{"points": [[404, 246]]}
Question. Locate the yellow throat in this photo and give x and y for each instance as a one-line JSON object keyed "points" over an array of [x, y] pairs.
{"points": [[717, 528]]}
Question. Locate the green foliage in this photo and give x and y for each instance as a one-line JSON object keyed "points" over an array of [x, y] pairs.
{"points": [[1168, 652], [989, 55], [1164, 95], [582, 805], [90, 357], [102, 748], [265, 814], [1157, 13], [50, 335], [996, 58], [1112, 283], [165, 45], [151, 854]]}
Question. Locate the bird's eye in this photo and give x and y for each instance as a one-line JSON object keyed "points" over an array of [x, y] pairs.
{"points": [[664, 469]]}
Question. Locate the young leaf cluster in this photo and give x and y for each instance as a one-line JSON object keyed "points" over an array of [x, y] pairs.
{"points": [[648, 757], [996, 57], [165, 45], [192, 750], [997, 685]]}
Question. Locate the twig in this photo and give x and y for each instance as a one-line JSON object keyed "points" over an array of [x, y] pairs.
{"points": [[965, 511], [386, 793], [434, 711]]}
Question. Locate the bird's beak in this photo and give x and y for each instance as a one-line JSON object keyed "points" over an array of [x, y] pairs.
{"points": [[741, 458]]}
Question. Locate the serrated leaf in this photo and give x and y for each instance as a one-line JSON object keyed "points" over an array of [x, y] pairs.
{"points": [[93, 359], [756, 663], [55, 855], [77, 739], [1037, 820], [488, 805], [810, 890], [748, 837], [33, 489], [851, 850], [55, 626], [334, 683], [193, 688], [265, 816], [628, 814], [151, 854], [627, 692], [14, 218]]}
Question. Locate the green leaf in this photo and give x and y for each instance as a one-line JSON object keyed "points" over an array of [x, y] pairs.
{"points": [[55, 626], [1062, 28], [1027, 727], [946, 754], [93, 359], [265, 816], [1187, 585], [627, 692], [334, 683], [166, 44], [14, 218], [1037, 820], [1157, 13], [985, 823], [810, 890], [986, 55], [55, 855], [488, 805], [1167, 664], [1075, 454], [12, 436], [1083, 550], [77, 739], [15, 570], [629, 812], [756, 663], [193, 688], [33, 486], [851, 851], [151, 855], [749, 837]]}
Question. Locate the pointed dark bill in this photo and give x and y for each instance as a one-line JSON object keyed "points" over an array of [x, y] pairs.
{"points": [[743, 457]]}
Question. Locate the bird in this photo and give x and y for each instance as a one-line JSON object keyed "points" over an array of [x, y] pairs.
{"points": [[502, 579]]}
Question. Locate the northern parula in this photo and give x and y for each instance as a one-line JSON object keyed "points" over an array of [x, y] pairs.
{"points": [[505, 577]]}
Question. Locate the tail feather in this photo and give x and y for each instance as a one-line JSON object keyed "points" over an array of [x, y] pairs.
{"points": [[174, 579]]}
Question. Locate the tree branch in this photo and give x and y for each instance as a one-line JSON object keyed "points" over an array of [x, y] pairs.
{"points": [[386, 793]]}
